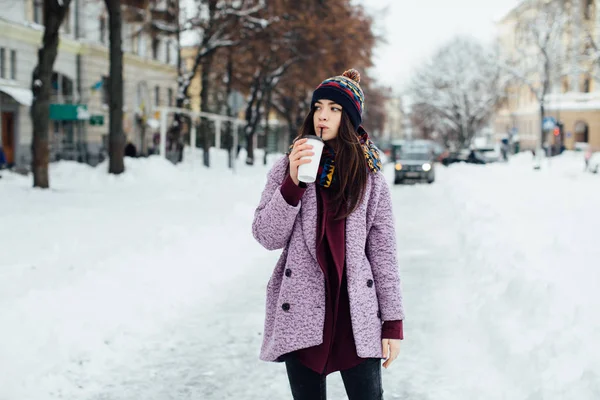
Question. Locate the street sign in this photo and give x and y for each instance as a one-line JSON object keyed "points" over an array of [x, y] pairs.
{"points": [[96, 119], [548, 123], [68, 112]]}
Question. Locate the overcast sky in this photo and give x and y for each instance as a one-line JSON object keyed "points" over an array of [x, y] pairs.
{"points": [[415, 28]]}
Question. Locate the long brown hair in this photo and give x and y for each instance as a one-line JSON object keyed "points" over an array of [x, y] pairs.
{"points": [[351, 169]]}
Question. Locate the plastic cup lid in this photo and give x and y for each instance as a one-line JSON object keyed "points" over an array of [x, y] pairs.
{"points": [[312, 137]]}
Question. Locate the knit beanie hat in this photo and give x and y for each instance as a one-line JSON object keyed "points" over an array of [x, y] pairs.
{"points": [[345, 91]]}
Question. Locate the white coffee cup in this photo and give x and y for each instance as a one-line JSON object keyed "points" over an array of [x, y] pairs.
{"points": [[307, 173]]}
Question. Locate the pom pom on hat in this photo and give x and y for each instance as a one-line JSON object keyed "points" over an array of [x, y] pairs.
{"points": [[352, 74]]}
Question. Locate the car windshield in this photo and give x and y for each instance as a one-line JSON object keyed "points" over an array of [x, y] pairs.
{"points": [[414, 156]]}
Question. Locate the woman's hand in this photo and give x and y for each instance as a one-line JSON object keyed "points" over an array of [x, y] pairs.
{"points": [[300, 149], [391, 349]]}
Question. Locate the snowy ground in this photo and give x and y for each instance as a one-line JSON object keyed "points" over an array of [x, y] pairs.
{"points": [[150, 285]]}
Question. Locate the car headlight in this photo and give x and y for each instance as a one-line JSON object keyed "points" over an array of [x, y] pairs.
{"points": [[426, 167], [398, 167]]}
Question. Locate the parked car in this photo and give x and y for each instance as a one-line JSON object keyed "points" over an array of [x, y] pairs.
{"points": [[414, 165], [464, 155], [489, 154], [476, 157], [451, 157]]}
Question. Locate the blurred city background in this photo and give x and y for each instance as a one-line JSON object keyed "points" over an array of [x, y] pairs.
{"points": [[136, 136]]}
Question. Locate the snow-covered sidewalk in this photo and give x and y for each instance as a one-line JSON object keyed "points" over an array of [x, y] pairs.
{"points": [[151, 286]]}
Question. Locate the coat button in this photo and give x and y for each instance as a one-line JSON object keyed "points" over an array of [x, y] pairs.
{"points": [[370, 283], [285, 306], [288, 272]]}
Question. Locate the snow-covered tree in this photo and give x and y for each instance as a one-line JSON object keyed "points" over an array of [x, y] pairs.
{"points": [[214, 25], [272, 52], [426, 124], [540, 53], [591, 41], [460, 86]]}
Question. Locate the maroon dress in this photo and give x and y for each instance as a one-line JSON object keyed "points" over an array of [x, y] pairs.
{"points": [[338, 350]]}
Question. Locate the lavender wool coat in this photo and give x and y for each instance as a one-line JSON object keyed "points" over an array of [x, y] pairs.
{"points": [[295, 306]]}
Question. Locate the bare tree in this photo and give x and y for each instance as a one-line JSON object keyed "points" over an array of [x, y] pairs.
{"points": [[426, 124], [280, 68], [218, 25], [54, 14], [590, 52], [539, 56], [374, 114], [265, 80], [116, 138], [460, 86]]}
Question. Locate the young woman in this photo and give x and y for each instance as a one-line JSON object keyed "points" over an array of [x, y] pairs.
{"points": [[334, 301]]}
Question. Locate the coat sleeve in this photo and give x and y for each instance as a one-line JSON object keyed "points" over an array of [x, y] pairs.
{"points": [[274, 218], [382, 254]]}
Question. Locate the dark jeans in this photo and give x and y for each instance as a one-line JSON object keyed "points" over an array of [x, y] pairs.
{"points": [[362, 382]]}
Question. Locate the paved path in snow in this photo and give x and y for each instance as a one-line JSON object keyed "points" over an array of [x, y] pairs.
{"points": [[212, 353], [179, 314]]}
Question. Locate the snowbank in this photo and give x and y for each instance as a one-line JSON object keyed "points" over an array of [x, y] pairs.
{"points": [[105, 279]]}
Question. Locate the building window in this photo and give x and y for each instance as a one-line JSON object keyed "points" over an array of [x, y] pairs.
{"points": [[2, 62], [565, 85], [3, 59], [103, 29], [141, 44], [66, 24], [38, 11], [66, 86], [133, 37], [587, 10], [586, 85], [156, 96], [170, 98], [105, 90], [13, 64], [168, 52], [155, 48]]}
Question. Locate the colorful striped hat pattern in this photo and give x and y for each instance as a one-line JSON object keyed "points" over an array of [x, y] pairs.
{"points": [[344, 90]]}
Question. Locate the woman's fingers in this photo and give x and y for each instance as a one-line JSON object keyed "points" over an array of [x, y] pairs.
{"points": [[301, 144], [305, 153], [385, 344], [394, 351], [301, 149], [299, 156]]}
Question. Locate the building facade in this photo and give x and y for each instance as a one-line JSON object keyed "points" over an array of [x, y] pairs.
{"points": [[79, 110], [573, 100], [394, 118]]}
